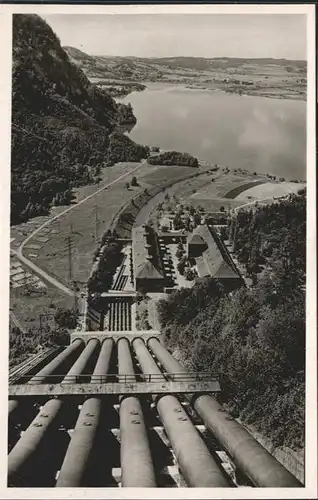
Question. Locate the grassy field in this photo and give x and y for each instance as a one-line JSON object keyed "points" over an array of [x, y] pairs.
{"points": [[52, 255], [28, 308], [80, 229], [77, 233], [233, 193], [209, 189], [161, 174], [225, 182], [109, 174]]}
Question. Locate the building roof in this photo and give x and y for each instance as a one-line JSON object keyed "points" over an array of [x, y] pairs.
{"points": [[215, 261], [146, 256], [217, 269], [149, 271], [195, 239]]}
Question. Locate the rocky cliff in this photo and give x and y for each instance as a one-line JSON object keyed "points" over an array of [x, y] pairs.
{"points": [[61, 123]]}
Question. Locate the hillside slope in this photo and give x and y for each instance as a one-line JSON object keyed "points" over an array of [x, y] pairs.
{"points": [[276, 78], [121, 68], [61, 123], [255, 337]]}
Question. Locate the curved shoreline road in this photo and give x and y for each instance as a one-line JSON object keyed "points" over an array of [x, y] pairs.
{"points": [[37, 269]]}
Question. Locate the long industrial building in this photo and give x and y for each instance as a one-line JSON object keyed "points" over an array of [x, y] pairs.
{"points": [[212, 259], [111, 411], [147, 264]]}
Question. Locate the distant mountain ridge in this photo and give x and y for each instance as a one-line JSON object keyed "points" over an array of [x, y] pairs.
{"points": [[61, 123], [158, 64], [113, 67]]}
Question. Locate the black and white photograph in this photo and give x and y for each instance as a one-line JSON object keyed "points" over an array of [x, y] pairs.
{"points": [[159, 234]]}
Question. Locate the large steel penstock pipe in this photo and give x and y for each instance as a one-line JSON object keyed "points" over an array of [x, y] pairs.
{"points": [[103, 361], [79, 452], [31, 445], [249, 455], [61, 361], [81, 364], [13, 406], [65, 357], [137, 470], [196, 463], [32, 440], [77, 460]]}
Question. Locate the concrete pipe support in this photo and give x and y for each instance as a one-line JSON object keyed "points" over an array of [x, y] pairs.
{"points": [[248, 454], [31, 440], [137, 470], [195, 461]]}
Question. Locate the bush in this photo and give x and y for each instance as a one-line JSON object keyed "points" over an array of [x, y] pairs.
{"points": [[174, 158], [134, 181], [180, 253], [189, 274], [66, 318]]}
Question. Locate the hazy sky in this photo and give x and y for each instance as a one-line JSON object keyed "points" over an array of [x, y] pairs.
{"points": [[160, 35]]}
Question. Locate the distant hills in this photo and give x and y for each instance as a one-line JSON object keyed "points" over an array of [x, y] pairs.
{"points": [[63, 127], [114, 67], [138, 68], [268, 77]]}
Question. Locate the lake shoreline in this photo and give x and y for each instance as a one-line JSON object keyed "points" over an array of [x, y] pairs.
{"points": [[252, 93], [280, 94], [247, 132]]}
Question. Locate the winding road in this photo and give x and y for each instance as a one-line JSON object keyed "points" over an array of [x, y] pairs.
{"points": [[19, 252], [50, 279]]}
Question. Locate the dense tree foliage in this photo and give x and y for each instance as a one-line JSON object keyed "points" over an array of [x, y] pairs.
{"points": [[255, 337], [173, 158], [121, 148], [61, 123], [66, 318], [24, 344], [274, 234], [110, 257]]}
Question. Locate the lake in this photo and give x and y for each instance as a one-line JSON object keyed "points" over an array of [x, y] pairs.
{"points": [[254, 133]]}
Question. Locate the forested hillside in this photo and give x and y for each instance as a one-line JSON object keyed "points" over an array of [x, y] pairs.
{"points": [[255, 337], [61, 123]]}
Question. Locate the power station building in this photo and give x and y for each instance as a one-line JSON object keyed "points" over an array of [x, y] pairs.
{"points": [[212, 258], [204, 249], [147, 263]]}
